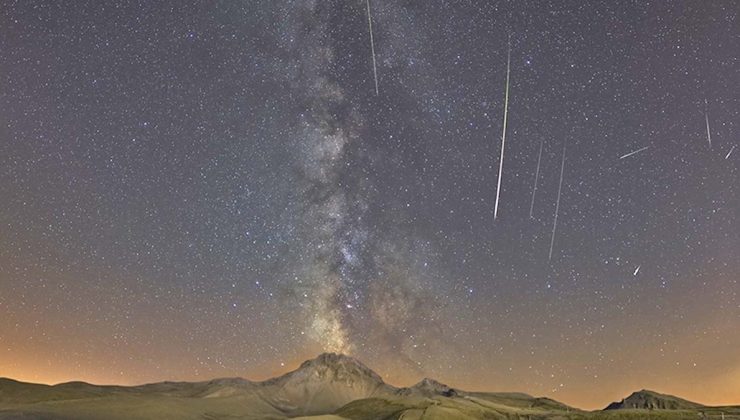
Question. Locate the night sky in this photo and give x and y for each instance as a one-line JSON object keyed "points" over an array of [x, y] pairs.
{"points": [[191, 190]]}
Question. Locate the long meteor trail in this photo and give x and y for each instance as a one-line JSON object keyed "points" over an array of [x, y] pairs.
{"points": [[706, 117], [372, 46], [536, 176], [503, 136], [635, 152], [557, 205]]}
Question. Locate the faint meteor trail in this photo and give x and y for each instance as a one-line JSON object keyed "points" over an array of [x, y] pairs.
{"points": [[557, 205], [503, 136], [634, 152], [372, 46], [730, 152], [637, 270], [706, 117], [536, 176]]}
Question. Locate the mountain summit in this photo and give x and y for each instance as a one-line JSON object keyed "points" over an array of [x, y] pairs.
{"points": [[338, 367]]}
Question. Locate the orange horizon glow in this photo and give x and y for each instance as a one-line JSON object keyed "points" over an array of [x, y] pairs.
{"points": [[722, 390]]}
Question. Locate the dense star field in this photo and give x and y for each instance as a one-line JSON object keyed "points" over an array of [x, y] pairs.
{"points": [[191, 190]]}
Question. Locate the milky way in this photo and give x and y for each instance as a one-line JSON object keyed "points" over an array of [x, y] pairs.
{"points": [[352, 280], [193, 190]]}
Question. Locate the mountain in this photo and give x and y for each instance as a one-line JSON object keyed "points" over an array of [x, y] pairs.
{"points": [[329, 387], [428, 388], [650, 400], [323, 385]]}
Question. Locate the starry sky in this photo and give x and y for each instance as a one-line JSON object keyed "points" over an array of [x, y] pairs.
{"points": [[199, 189]]}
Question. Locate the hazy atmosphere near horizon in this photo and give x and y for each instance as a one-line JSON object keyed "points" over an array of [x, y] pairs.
{"points": [[201, 189]]}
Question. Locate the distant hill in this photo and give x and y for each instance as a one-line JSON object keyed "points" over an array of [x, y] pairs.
{"points": [[329, 387], [650, 400]]}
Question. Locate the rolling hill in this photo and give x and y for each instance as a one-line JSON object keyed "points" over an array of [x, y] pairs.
{"points": [[329, 387]]}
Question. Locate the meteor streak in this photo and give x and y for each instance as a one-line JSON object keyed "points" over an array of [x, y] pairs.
{"points": [[372, 46], [730, 152], [536, 176], [503, 136], [634, 153], [637, 270], [706, 117], [557, 205]]}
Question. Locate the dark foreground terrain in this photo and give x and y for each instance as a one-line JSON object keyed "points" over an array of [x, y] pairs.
{"points": [[330, 387]]}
